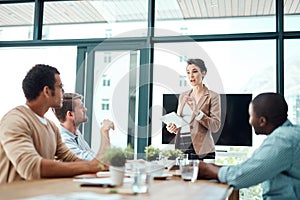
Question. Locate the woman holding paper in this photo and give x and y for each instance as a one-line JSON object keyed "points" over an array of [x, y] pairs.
{"points": [[200, 107]]}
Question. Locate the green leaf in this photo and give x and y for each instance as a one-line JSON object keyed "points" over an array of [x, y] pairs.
{"points": [[152, 153], [115, 156]]}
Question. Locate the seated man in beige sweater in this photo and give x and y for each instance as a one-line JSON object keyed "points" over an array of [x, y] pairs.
{"points": [[29, 142]]}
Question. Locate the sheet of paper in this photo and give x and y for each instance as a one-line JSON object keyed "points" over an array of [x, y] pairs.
{"points": [[174, 119]]}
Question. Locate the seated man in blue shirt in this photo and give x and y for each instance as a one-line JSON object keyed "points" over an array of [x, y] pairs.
{"points": [[71, 115], [276, 163]]}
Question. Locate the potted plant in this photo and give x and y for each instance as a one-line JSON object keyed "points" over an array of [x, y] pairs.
{"points": [[116, 158], [172, 154], [152, 153], [129, 152]]}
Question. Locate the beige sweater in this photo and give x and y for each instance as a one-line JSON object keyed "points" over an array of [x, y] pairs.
{"points": [[25, 140]]}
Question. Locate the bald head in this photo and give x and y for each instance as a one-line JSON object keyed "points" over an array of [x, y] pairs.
{"points": [[272, 106]]}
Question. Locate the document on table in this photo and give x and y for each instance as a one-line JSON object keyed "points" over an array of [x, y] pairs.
{"points": [[174, 119]]}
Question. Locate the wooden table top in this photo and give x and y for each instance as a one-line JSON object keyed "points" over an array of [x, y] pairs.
{"points": [[173, 187]]}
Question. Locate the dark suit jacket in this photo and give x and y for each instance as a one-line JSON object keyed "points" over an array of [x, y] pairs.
{"points": [[201, 130]]}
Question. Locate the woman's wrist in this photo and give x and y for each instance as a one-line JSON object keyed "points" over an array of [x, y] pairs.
{"points": [[199, 115]]}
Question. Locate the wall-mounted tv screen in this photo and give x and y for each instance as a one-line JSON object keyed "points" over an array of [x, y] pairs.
{"points": [[235, 129]]}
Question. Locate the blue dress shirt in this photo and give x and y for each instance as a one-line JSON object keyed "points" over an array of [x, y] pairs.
{"points": [[275, 164], [77, 144]]}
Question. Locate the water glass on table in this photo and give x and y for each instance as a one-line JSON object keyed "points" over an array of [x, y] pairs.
{"points": [[141, 182], [189, 170], [141, 179]]}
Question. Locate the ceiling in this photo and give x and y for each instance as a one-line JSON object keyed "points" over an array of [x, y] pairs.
{"points": [[114, 11]]}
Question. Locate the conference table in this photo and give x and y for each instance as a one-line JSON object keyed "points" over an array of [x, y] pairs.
{"points": [[69, 188]]}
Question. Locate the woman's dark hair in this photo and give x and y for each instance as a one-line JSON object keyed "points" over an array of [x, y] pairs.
{"points": [[198, 62], [37, 78]]}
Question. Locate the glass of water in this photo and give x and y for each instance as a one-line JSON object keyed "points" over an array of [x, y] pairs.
{"points": [[189, 170], [141, 181]]}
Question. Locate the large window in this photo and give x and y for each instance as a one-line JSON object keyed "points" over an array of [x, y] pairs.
{"points": [[291, 79], [189, 17], [16, 21], [16, 62], [292, 18], [239, 67], [112, 101], [94, 19]]}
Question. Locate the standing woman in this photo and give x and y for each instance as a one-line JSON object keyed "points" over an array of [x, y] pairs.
{"points": [[200, 107]]}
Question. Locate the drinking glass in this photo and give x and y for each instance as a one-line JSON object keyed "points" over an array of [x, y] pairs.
{"points": [[189, 170], [141, 182]]}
